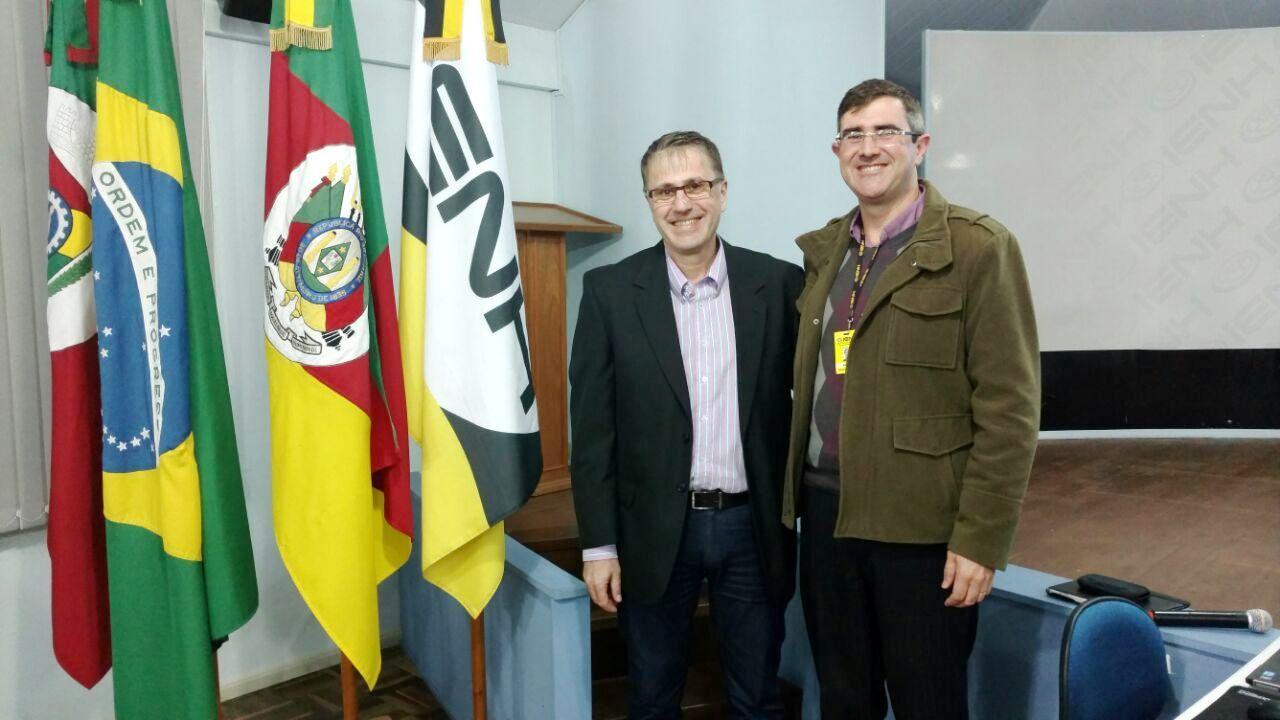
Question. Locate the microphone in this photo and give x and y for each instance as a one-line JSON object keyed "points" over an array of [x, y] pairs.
{"points": [[1255, 620]]}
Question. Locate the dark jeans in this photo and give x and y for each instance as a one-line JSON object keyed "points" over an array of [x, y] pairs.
{"points": [[718, 545], [876, 617]]}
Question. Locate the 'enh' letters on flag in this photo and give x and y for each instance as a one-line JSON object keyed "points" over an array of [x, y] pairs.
{"points": [[468, 379]]}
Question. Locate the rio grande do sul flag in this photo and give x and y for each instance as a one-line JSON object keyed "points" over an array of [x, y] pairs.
{"points": [[468, 377], [339, 455], [181, 573], [76, 539]]}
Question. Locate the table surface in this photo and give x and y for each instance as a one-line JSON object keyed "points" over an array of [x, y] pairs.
{"points": [[1236, 678]]}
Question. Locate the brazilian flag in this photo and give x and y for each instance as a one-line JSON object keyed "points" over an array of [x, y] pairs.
{"points": [[180, 566]]}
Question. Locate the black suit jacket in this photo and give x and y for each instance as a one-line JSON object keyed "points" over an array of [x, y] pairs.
{"points": [[632, 426]]}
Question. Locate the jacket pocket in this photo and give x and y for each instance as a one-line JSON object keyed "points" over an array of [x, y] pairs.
{"points": [[936, 436], [924, 327], [929, 455]]}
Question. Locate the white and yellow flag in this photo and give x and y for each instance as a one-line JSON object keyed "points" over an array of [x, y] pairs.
{"points": [[468, 379]]}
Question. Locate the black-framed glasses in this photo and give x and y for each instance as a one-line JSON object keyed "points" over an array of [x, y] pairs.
{"points": [[883, 136], [694, 190]]}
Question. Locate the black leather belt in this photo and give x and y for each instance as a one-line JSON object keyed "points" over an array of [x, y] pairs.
{"points": [[715, 499]]}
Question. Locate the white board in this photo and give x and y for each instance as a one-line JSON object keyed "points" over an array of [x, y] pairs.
{"points": [[1139, 171]]}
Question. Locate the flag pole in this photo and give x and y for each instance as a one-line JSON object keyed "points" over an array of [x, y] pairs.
{"points": [[350, 706], [479, 702], [217, 685]]}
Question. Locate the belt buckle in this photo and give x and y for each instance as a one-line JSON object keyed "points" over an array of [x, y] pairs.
{"points": [[707, 494]]}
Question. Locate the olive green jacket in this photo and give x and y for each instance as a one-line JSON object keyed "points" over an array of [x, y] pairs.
{"points": [[941, 405]]}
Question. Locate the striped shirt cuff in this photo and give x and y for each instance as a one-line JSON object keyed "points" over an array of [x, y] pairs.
{"points": [[604, 552]]}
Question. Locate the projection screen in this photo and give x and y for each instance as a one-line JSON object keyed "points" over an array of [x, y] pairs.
{"points": [[1139, 171]]}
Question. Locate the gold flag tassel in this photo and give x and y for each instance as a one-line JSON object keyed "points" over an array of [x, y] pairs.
{"points": [[437, 48], [300, 28], [496, 52], [495, 40], [442, 33], [311, 38]]}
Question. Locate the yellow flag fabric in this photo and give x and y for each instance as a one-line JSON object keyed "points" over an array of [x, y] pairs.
{"points": [[330, 533]]}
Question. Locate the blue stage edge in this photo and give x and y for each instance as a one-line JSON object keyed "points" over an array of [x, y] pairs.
{"points": [[537, 639]]}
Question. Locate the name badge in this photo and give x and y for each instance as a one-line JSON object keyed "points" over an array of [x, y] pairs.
{"points": [[843, 339]]}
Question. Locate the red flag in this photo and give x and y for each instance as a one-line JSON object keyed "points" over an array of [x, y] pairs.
{"points": [[77, 546]]}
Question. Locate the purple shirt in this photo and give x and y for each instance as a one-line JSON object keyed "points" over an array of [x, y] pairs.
{"points": [[708, 348], [900, 222]]}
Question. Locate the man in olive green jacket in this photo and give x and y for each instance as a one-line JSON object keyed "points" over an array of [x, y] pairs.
{"points": [[916, 412]]}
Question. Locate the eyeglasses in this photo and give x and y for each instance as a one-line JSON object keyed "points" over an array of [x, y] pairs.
{"points": [[881, 137], [694, 190]]}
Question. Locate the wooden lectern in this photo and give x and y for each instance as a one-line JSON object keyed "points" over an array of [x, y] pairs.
{"points": [[540, 242]]}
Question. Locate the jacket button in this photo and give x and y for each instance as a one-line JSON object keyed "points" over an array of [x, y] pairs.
{"points": [[816, 321]]}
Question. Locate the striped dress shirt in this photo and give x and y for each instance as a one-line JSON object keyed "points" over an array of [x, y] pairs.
{"points": [[708, 347], [704, 322]]}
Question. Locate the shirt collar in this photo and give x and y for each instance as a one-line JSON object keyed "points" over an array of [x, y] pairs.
{"points": [[903, 220], [716, 277]]}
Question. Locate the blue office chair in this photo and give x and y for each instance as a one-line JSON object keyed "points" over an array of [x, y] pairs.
{"points": [[1112, 664]]}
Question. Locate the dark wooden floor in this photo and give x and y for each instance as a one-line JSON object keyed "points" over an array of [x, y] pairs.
{"points": [[400, 695], [1198, 519]]}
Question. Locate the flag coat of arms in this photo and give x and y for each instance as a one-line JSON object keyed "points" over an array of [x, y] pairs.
{"points": [[468, 377], [76, 539], [339, 456], [181, 572]]}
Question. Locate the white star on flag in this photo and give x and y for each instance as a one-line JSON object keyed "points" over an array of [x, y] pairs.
{"points": [[97, 275], [103, 352], [122, 446], [164, 331], [106, 332], [111, 439], [146, 433], [135, 442]]}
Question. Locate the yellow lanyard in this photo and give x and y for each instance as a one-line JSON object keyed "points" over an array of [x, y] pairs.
{"points": [[842, 339], [860, 277]]}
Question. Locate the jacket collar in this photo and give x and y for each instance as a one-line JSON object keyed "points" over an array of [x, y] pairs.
{"points": [[657, 320], [653, 268], [930, 244]]}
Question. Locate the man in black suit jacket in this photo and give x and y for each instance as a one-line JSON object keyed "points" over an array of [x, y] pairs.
{"points": [[681, 400]]}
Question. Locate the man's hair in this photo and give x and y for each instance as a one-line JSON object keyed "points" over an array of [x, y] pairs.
{"points": [[862, 94], [679, 139]]}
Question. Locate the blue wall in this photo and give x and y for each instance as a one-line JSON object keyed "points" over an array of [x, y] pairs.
{"points": [[761, 79]]}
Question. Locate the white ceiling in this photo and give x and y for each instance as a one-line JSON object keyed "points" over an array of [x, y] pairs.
{"points": [[545, 14]]}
